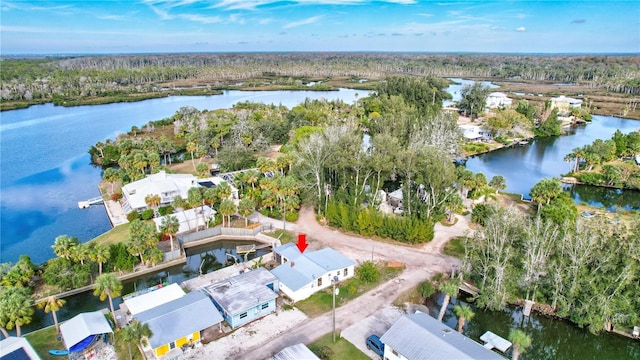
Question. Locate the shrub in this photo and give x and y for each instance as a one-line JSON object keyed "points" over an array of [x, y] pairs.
{"points": [[147, 214], [426, 289], [133, 216], [368, 272], [165, 210], [116, 196]]}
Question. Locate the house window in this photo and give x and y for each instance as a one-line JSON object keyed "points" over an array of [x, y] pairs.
{"points": [[319, 281], [346, 271], [395, 352], [264, 306], [243, 315], [338, 273], [172, 345]]}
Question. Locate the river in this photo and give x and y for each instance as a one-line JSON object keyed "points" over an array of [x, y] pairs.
{"points": [[524, 166], [45, 168], [551, 339]]}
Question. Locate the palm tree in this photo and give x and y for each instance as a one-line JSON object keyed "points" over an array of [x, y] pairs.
{"points": [[498, 183], [137, 333], [16, 309], [108, 286], [63, 244], [450, 289], [464, 313], [51, 305], [191, 148], [100, 254], [111, 175], [251, 177], [170, 225], [520, 341], [79, 253], [246, 207], [227, 208]]}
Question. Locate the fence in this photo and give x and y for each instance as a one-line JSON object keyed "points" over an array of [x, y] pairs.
{"points": [[222, 232]]}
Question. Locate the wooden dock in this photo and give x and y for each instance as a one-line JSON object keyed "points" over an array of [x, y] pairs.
{"points": [[245, 249], [469, 288], [492, 341]]}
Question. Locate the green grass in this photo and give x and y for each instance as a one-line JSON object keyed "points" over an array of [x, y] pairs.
{"points": [[284, 236], [44, 340], [455, 247], [322, 301], [118, 234], [342, 349]]}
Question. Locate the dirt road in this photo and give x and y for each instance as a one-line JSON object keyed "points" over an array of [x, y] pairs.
{"points": [[422, 262]]}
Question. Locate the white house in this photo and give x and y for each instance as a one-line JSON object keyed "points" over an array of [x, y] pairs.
{"points": [[474, 132], [565, 104], [303, 274], [190, 219], [167, 186], [419, 336], [498, 99]]}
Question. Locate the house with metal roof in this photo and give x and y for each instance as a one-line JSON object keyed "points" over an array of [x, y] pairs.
{"points": [[295, 352], [179, 323], [143, 300], [167, 186], [302, 274], [17, 348], [419, 336], [245, 297], [565, 104]]}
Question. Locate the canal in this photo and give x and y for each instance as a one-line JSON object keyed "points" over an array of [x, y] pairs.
{"points": [[551, 339]]}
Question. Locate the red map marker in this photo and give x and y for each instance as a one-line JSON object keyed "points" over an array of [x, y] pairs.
{"points": [[302, 242]]}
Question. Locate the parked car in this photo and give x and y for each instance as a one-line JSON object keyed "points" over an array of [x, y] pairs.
{"points": [[374, 344]]}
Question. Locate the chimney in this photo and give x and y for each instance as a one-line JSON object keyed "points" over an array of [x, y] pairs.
{"points": [[292, 263]]}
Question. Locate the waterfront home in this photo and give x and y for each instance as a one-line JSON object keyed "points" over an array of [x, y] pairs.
{"points": [[189, 220], [295, 352], [215, 181], [17, 348], [245, 297], [179, 323], [498, 100], [143, 300], [167, 186], [419, 336], [303, 274], [475, 132], [82, 330], [565, 104]]}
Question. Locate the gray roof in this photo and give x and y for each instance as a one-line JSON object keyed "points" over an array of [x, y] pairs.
{"points": [[82, 325], [180, 317], [244, 291], [301, 269], [295, 352], [420, 337]]}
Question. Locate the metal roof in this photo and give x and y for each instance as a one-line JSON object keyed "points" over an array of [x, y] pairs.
{"points": [[154, 298], [419, 336], [180, 317], [241, 292], [17, 348], [160, 183], [295, 352], [302, 269], [82, 325]]}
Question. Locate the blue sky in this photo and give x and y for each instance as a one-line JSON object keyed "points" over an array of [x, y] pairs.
{"points": [[135, 26]]}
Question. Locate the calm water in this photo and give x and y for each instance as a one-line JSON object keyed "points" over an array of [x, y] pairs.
{"points": [[205, 258], [45, 168], [550, 339], [524, 166]]}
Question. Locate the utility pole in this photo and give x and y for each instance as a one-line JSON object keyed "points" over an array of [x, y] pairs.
{"points": [[334, 281]]}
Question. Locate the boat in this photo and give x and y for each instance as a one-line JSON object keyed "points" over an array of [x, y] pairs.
{"points": [[56, 352]]}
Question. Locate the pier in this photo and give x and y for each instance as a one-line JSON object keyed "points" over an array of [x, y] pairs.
{"points": [[87, 203]]}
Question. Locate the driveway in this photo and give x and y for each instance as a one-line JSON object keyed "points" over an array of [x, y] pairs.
{"points": [[377, 324]]}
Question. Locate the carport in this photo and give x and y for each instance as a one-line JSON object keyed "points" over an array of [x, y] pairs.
{"points": [[81, 331]]}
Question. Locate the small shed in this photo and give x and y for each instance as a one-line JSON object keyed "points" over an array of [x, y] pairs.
{"points": [[152, 297], [79, 331], [245, 297]]}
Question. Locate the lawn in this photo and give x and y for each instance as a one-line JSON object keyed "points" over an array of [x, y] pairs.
{"points": [[117, 234], [325, 348], [455, 247], [284, 236], [44, 340], [322, 301]]}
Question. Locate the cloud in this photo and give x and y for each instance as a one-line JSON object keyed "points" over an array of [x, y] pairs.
{"points": [[494, 28], [265, 21], [521, 29], [578, 21], [306, 21], [112, 17], [425, 15], [200, 18]]}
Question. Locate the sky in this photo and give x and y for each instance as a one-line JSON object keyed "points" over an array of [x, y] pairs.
{"points": [[162, 26]]}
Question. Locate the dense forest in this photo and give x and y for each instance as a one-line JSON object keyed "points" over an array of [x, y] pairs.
{"points": [[67, 79]]}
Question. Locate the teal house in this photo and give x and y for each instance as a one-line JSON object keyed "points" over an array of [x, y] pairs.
{"points": [[245, 297]]}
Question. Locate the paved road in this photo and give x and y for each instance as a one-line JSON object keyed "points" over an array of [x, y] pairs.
{"points": [[422, 262]]}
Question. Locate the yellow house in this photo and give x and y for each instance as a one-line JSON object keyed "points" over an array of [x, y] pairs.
{"points": [[178, 323]]}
